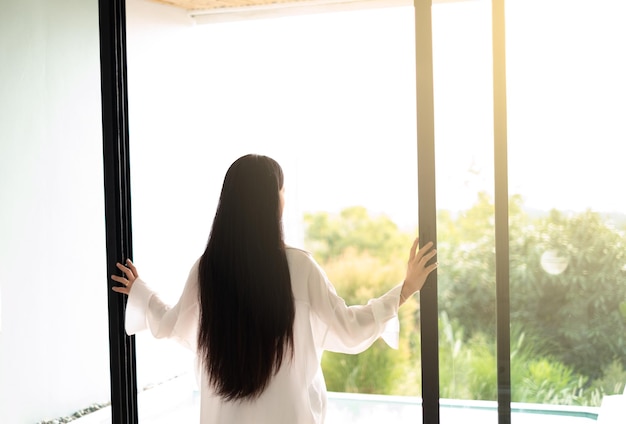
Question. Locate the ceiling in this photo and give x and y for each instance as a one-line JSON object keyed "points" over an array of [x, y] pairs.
{"points": [[209, 11], [224, 4]]}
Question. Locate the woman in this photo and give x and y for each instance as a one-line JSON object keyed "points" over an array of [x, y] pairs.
{"points": [[259, 314]]}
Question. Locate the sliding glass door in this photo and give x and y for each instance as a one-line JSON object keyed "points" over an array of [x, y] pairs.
{"points": [[339, 108], [336, 110]]}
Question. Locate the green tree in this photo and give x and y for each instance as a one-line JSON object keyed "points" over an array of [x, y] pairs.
{"points": [[576, 311], [328, 236], [365, 256], [574, 314]]}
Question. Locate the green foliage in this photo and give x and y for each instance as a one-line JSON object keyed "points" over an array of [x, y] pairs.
{"points": [[576, 313], [577, 310], [482, 371], [359, 277], [467, 277], [547, 381], [328, 236], [468, 371], [374, 371], [364, 257], [572, 349], [613, 379], [467, 368]]}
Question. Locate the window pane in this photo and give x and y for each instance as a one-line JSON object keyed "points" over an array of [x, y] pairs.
{"points": [[567, 100], [464, 153]]}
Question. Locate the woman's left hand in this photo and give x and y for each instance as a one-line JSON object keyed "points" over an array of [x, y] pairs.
{"points": [[131, 275], [418, 268]]}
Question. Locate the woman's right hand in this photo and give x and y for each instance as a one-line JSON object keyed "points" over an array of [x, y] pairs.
{"points": [[418, 269], [131, 275]]}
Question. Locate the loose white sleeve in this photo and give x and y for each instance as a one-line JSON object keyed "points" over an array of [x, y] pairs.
{"points": [[145, 310], [351, 329]]}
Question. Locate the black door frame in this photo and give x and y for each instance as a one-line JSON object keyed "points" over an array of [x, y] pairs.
{"points": [[112, 18]]}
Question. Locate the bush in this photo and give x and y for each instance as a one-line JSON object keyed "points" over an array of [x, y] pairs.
{"points": [[613, 379], [359, 277]]}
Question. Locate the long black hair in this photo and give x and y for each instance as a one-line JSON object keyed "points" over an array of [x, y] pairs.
{"points": [[246, 302]]}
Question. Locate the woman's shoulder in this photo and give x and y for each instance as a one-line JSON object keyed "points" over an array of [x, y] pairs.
{"points": [[304, 271], [299, 257], [297, 253]]}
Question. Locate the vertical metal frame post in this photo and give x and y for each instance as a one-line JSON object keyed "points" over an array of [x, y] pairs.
{"points": [[503, 317], [112, 14], [427, 206]]}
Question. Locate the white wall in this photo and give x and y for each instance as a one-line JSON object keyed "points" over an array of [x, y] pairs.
{"points": [[54, 337]]}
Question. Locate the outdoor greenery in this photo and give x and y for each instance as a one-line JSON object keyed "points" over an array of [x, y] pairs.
{"points": [[568, 335]]}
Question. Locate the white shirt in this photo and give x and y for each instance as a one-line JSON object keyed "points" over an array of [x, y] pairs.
{"points": [[297, 393]]}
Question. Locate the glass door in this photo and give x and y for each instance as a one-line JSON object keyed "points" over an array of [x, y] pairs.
{"points": [[337, 110], [463, 92]]}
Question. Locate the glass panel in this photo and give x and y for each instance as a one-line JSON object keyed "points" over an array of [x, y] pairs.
{"points": [[336, 108], [567, 100], [464, 154], [361, 211], [54, 355]]}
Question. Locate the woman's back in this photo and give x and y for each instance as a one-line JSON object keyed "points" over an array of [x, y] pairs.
{"points": [[259, 314], [297, 393]]}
